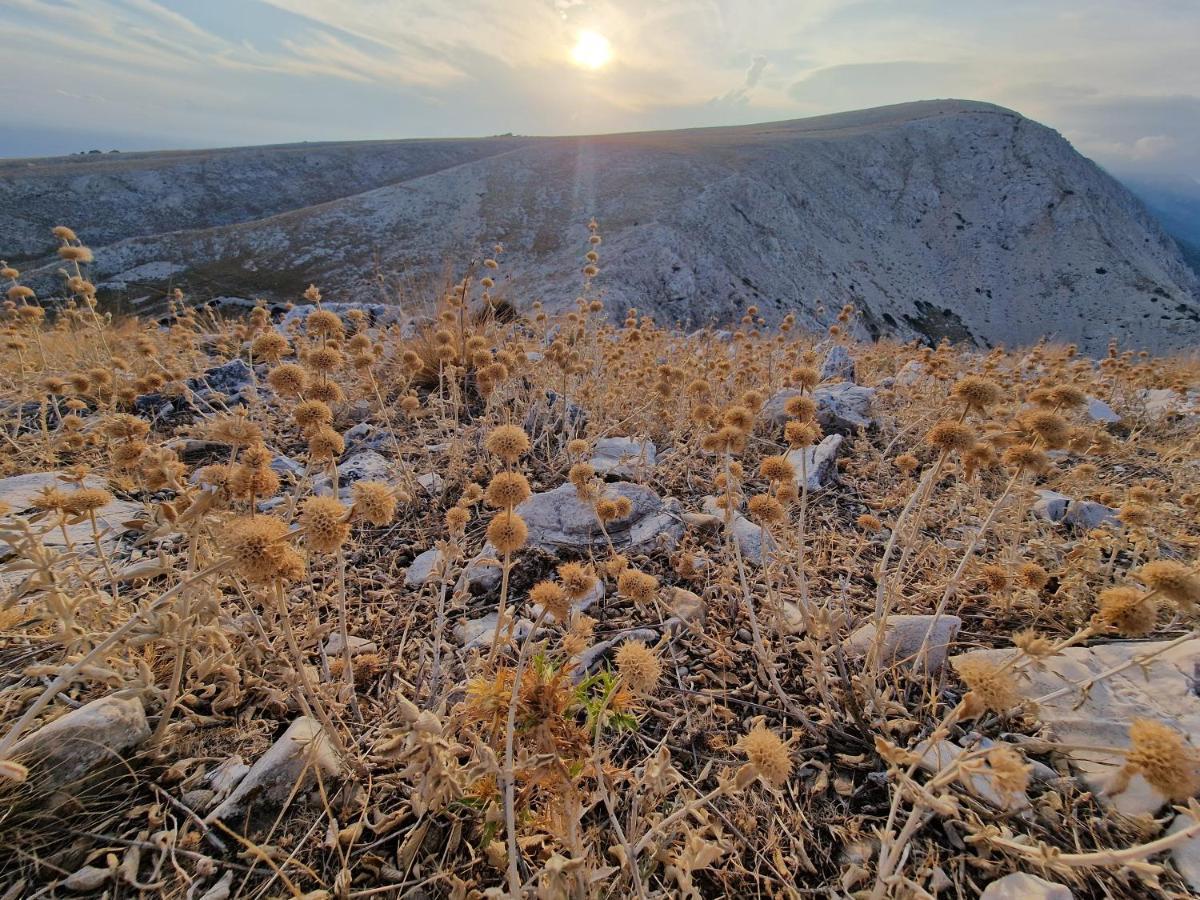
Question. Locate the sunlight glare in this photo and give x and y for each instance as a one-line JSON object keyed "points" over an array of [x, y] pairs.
{"points": [[591, 51]]}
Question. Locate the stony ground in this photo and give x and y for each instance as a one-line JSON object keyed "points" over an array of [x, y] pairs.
{"points": [[314, 603]]}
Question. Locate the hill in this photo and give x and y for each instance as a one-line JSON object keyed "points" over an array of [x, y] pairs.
{"points": [[936, 219]]}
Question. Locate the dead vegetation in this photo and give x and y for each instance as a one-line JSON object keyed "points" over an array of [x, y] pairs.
{"points": [[504, 604]]}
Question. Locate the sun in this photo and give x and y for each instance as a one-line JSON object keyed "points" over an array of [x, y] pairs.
{"points": [[591, 51]]}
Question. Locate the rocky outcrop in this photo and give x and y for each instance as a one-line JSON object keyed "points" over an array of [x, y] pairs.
{"points": [[817, 465], [842, 408]]}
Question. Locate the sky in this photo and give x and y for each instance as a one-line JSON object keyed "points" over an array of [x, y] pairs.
{"points": [[1119, 78]]}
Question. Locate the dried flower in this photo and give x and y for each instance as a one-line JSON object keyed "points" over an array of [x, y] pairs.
{"points": [[325, 525], [638, 666], [767, 754], [507, 443], [1160, 755], [507, 532], [989, 688]]}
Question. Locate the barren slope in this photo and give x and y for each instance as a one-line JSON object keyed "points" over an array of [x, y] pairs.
{"points": [[940, 218]]}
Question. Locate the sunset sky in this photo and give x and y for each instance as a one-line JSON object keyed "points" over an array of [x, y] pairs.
{"points": [[1120, 79]]}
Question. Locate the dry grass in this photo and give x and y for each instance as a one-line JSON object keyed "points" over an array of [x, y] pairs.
{"points": [[744, 751]]}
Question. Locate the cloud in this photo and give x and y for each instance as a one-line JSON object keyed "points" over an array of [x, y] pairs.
{"points": [[1119, 82], [860, 85]]}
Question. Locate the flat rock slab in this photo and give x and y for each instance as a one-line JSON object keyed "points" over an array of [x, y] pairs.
{"points": [[64, 752], [1099, 411], [904, 635], [1161, 689], [19, 492], [558, 519], [365, 465], [1022, 886], [622, 457], [982, 783], [302, 751]]}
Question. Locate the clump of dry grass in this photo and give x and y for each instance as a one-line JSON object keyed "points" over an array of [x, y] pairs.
{"points": [[728, 741]]}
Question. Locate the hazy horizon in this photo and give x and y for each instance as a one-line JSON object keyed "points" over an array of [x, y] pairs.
{"points": [[1117, 79]]}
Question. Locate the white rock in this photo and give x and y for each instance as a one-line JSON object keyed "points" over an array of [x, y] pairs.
{"points": [[623, 457], [21, 490], [1052, 506], [838, 364], [483, 573], [80, 742], [688, 606], [559, 519], [1099, 411], [752, 540], [362, 466], [1186, 856], [421, 569], [819, 462], [431, 483], [1160, 689], [910, 373], [296, 757], [842, 408], [904, 636], [983, 784], [333, 645], [1022, 886], [479, 632], [227, 774]]}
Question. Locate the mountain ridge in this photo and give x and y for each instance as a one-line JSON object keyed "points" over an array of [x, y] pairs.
{"points": [[955, 219]]}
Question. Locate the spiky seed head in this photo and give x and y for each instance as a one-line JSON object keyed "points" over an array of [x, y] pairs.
{"points": [[1130, 612], [507, 532], [507, 443], [765, 509], [325, 525], [1160, 755], [374, 502], [256, 546], [637, 586], [1173, 580], [951, 436], [639, 667], [577, 580], [802, 407], [312, 414], [989, 688], [768, 755], [776, 468], [552, 598], [87, 500], [506, 490], [324, 323], [325, 444]]}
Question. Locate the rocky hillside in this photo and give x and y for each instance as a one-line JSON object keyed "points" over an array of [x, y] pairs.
{"points": [[939, 218]]}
